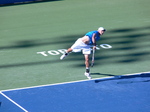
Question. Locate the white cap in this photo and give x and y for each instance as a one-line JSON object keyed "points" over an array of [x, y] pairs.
{"points": [[101, 28]]}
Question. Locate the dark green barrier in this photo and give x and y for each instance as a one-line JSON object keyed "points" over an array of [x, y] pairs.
{"points": [[13, 1], [6, 2]]}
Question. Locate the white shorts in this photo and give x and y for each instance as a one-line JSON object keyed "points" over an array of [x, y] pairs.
{"points": [[79, 46]]}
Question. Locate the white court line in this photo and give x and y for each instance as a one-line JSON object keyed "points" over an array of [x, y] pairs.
{"points": [[13, 102], [72, 82]]}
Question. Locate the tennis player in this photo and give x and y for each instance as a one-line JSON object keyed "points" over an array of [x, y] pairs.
{"points": [[84, 44]]}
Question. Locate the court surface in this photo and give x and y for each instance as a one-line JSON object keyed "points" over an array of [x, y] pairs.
{"points": [[128, 93], [33, 36]]}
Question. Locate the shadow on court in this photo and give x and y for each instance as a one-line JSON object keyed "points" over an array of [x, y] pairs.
{"points": [[141, 75], [126, 43], [24, 44]]}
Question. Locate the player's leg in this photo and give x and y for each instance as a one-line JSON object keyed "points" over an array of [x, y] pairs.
{"points": [[87, 51], [87, 65], [69, 50], [86, 56], [74, 47]]}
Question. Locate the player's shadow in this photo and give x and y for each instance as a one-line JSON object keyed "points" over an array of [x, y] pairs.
{"points": [[101, 74], [131, 77]]}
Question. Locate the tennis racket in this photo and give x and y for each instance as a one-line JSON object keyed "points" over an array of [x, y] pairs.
{"points": [[92, 63]]}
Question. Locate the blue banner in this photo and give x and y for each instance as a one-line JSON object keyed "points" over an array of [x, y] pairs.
{"points": [[14, 1]]}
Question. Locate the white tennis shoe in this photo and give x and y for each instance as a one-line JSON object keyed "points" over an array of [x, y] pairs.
{"points": [[63, 56], [87, 75]]}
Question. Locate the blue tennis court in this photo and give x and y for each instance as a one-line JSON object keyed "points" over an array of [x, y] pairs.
{"points": [[127, 93]]}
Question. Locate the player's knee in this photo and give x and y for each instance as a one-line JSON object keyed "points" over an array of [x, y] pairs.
{"points": [[87, 60]]}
